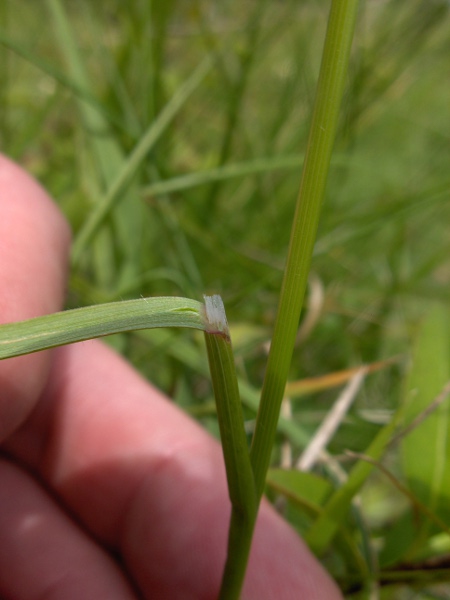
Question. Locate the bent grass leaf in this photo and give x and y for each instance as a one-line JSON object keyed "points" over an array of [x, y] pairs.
{"points": [[129, 167], [257, 166], [108, 157], [116, 171], [199, 178], [89, 322]]}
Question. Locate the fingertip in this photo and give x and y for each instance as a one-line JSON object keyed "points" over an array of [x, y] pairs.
{"points": [[43, 554], [34, 246], [34, 249]]}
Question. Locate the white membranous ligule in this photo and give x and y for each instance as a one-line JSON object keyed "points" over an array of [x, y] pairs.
{"points": [[216, 320]]}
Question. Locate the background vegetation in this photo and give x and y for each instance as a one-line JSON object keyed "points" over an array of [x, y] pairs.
{"points": [[206, 207]]}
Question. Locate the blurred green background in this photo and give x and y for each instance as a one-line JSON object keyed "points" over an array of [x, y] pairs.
{"points": [[205, 205]]}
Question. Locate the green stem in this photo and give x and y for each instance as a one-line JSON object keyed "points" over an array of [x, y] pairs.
{"points": [[320, 143], [234, 444], [239, 543]]}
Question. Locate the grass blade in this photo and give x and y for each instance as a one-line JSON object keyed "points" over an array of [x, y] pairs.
{"points": [[259, 165], [329, 94], [130, 166], [89, 322]]}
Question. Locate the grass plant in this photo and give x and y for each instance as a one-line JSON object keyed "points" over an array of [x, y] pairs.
{"points": [[177, 170]]}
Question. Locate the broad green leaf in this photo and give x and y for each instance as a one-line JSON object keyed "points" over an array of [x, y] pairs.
{"points": [[80, 324], [425, 451], [308, 493], [326, 526], [398, 539], [304, 489]]}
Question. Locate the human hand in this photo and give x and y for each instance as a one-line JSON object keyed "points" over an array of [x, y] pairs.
{"points": [[107, 490]]}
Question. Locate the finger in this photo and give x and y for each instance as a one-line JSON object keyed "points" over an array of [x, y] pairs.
{"points": [[150, 482], [43, 554], [34, 241]]}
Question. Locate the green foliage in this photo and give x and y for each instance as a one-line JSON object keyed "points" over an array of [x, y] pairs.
{"points": [[205, 203]]}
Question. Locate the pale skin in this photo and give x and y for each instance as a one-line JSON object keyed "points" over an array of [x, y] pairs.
{"points": [[107, 490]]}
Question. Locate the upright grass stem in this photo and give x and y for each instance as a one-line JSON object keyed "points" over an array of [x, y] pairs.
{"points": [[246, 471], [241, 486], [304, 229]]}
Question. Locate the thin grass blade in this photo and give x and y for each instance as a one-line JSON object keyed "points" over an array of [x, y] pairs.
{"points": [[130, 166], [89, 322], [330, 89]]}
